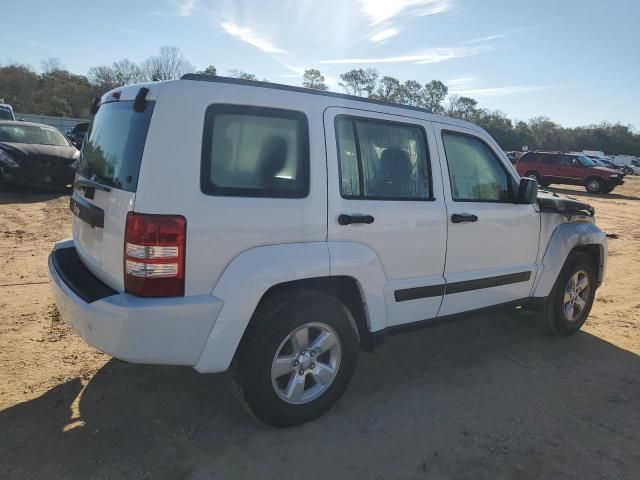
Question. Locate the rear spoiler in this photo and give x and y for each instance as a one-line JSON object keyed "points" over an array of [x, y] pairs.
{"points": [[139, 103]]}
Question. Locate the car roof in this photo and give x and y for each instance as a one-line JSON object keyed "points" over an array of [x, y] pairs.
{"points": [[129, 92], [293, 88]]}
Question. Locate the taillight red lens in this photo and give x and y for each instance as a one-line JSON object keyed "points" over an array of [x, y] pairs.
{"points": [[154, 251]]}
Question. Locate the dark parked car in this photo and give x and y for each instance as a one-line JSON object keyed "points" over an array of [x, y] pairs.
{"points": [[78, 133], [568, 168], [611, 164], [6, 112], [36, 155]]}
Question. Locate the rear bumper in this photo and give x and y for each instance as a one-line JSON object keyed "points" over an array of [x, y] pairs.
{"points": [[167, 331]]}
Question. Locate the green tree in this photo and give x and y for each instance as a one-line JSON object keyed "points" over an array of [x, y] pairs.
{"points": [[411, 93], [18, 86], [359, 82], [312, 78], [433, 95], [463, 108], [210, 70], [242, 75], [389, 89]]}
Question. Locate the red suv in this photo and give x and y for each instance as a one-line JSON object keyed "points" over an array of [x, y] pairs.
{"points": [[568, 168]]}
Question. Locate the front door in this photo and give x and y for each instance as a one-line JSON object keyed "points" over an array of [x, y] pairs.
{"points": [[570, 170], [385, 196], [492, 242]]}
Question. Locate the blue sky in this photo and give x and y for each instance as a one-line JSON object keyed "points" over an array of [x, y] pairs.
{"points": [[575, 61]]}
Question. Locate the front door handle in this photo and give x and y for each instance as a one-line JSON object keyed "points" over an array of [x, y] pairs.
{"points": [[463, 217], [344, 219]]}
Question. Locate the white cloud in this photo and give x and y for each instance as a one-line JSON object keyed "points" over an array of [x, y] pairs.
{"points": [[499, 91], [247, 35], [460, 82], [487, 38], [384, 34], [496, 36], [433, 55], [379, 11], [185, 7], [41, 45]]}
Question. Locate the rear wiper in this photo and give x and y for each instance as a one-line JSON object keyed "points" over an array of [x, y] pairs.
{"points": [[91, 184]]}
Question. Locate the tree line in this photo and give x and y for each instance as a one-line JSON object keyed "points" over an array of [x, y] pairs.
{"points": [[56, 91]]}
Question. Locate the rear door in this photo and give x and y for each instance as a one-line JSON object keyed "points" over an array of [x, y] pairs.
{"points": [[492, 242], [383, 173], [106, 182]]}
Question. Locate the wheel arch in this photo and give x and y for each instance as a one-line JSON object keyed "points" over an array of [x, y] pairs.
{"points": [[600, 178], [566, 238], [344, 288], [257, 274]]}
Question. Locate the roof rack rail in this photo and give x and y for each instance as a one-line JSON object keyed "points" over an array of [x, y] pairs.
{"points": [[278, 86]]}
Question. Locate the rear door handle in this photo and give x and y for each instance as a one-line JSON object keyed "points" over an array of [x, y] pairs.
{"points": [[344, 219], [463, 217]]}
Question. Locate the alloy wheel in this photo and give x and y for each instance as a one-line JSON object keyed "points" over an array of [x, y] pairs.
{"points": [[306, 363], [576, 295]]}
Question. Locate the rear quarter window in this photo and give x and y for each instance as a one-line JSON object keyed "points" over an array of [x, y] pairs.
{"points": [[528, 158], [114, 144], [255, 152], [6, 114]]}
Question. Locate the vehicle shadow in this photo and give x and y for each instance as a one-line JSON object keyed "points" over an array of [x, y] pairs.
{"points": [[488, 397], [10, 195], [578, 193]]}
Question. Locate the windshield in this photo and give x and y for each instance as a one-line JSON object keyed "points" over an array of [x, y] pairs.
{"points": [[113, 147], [586, 161], [5, 114], [32, 134]]}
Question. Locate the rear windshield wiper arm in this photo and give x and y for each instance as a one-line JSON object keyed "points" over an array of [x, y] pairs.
{"points": [[90, 183]]}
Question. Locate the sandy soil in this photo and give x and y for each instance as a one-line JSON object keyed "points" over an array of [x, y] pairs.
{"points": [[490, 397]]}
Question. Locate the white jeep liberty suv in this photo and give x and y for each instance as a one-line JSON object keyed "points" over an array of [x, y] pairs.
{"points": [[220, 220]]}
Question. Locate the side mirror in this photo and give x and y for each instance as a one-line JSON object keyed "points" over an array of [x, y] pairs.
{"points": [[527, 191]]}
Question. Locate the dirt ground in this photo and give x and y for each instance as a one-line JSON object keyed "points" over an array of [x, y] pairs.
{"points": [[490, 397]]}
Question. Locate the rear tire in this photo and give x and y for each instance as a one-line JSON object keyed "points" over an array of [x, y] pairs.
{"points": [[299, 357], [568, 306], [594, 185]]}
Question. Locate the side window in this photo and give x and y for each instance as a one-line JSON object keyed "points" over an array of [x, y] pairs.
{"points": [[475, 173], [255, 152], [529, 158], [382, 160], [567, 161], [549, 159]]}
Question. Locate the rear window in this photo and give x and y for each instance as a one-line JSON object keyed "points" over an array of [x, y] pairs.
{"points": [[255, 152], [6, 114], [32, 135], [112, 150]]}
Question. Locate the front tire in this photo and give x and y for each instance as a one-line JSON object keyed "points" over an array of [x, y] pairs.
{"points": [[299, 358], [594, 185], [571, 299]]}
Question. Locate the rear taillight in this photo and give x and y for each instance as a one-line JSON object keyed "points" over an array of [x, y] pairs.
{"points": [[154, 255]]}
